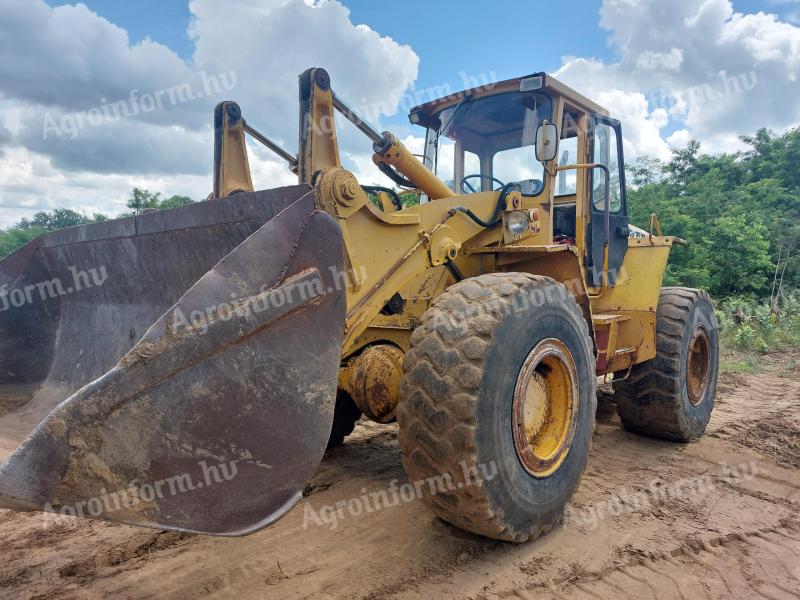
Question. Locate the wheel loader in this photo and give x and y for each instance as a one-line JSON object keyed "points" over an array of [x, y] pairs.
{"points": [[247, 334]]}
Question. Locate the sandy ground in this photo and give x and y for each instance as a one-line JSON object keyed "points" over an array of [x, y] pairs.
{"points": [[713, 519]]}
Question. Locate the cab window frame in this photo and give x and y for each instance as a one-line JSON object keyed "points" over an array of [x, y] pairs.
{"points": [[432, 154], [616, 126]]}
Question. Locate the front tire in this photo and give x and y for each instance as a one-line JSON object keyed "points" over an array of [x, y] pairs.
{"points": [[671, 396], [497, 404]]}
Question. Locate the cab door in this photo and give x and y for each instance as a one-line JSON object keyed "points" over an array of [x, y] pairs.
{"points": [[606, 149]]}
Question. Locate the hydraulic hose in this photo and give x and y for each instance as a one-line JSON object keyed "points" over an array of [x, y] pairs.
{"points": [[396, 200], [498, 209]]}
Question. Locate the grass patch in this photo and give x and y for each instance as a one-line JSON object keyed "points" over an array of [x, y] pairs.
{"points": [[739, 362]]}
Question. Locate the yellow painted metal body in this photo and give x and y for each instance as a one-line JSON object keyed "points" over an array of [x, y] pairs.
{"points": [[545, 408], [231, 167], [634, 300], [407, 251], [372, 379]]}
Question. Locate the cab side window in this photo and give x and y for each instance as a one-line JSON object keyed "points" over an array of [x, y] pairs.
{"points": [[566, 183], [606, 152]]}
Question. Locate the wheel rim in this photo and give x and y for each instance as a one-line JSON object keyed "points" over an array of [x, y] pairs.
{"points": [[545, 407], [698, 365]]}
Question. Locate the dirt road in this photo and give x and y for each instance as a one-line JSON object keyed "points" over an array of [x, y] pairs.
{"points": [[718, 518]]}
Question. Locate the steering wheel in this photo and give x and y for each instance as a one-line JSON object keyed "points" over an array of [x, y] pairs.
{"points": [[467, 188]]}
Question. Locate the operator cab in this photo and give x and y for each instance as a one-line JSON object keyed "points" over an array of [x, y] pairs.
{"points": [[484, 143], [484, 139]]}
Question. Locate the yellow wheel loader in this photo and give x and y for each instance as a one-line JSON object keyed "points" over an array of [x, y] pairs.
{"points": [[188, 368]]}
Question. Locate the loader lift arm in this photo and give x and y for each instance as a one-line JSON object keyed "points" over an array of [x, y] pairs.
{"points": [[318, 146]]}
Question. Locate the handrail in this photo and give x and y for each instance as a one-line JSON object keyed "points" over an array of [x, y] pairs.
{"points": [[606, 217]]}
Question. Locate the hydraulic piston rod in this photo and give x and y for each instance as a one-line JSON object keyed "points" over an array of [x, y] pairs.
{"points": [[289, 158], [355, 119]]}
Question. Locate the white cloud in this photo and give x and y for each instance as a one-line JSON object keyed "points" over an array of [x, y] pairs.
{"points": [[276, 40], [31, 183], [680, 138], [653, 61], [701, 68], [70, 58], [63, 69]]}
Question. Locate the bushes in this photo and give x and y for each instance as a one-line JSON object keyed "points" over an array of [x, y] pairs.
{"points": [[16, 237], [758, 327]]}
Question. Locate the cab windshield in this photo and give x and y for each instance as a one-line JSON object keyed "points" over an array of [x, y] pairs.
{"points": [[481, 144]]}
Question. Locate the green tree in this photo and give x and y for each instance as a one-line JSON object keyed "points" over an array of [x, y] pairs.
{"points": [[141, 200], [684, 165], [16, 237], [58, 218], [703, 198], [645, 171], [773, 156], [45, 221], [738, 257], [175, 201], [42, 222]]}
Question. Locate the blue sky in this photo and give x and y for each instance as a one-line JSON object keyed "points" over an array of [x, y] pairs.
{"points": [[442, 34], [517, 37], [520, 39], [532, 35]]}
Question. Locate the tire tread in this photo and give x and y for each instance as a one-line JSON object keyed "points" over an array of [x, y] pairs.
{"points": [[439, 397], [649, 401]]}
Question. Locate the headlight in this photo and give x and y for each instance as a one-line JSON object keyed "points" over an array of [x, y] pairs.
{"points": [[518, 222]]}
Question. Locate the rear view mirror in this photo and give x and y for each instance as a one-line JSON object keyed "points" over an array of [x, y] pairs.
{"points": [[546, 142]]}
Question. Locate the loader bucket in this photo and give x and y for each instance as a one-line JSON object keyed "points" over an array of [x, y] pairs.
{"points": [[181, 365]]}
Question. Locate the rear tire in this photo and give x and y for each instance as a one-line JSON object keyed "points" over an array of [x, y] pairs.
{"points": [[671, 396], [345, 416], [476, 347]]}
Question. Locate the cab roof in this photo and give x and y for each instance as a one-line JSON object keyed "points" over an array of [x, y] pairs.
{"points": [[422, 114]]}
